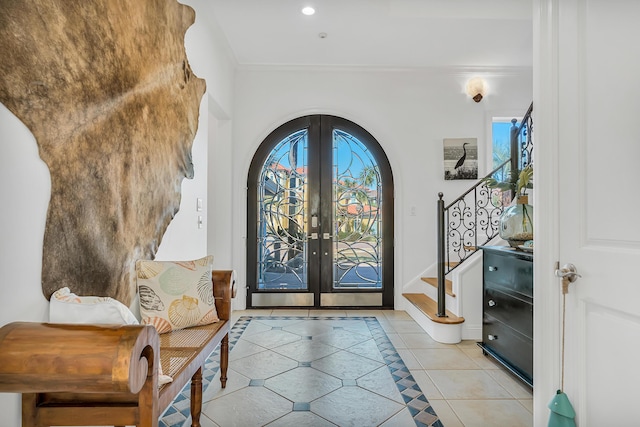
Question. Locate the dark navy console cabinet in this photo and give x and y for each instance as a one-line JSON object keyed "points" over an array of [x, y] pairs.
{"points": [[507, 325]]}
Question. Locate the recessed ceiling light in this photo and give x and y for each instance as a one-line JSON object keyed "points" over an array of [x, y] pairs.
{"points": [[308, 10]]}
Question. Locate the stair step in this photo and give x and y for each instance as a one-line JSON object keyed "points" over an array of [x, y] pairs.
{"points": [[448, 284], [430, 308]]}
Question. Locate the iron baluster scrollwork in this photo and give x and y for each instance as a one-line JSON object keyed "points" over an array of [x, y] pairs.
{"points": [[522, 141], [471, 220], [526, 140]]}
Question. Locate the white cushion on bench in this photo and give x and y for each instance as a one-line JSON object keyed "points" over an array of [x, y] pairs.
{"points": [[67, 307]]}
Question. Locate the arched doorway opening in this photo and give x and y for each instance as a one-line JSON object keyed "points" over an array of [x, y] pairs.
{"points": [[320, 217]]}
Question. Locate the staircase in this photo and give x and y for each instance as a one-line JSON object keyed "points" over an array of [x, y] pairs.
{"points": [[466, 224], [463, 289]]}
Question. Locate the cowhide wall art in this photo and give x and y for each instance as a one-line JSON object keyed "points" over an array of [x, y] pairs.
{"points": [[106, 89]]}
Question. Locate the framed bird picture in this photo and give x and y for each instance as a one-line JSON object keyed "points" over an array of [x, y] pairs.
{"points": [[460, 158]]}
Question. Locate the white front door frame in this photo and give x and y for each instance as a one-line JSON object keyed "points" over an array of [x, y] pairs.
{"points": [[546, 331]]}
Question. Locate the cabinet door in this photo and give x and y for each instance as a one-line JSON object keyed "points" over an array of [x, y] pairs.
{"points": [[508, 272], [515, 312], [513, 347]]}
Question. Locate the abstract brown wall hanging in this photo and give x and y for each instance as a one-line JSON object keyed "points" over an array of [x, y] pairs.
{"points": [[106, 89]]}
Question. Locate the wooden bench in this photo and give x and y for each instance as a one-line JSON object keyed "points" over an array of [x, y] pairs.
{"points": [[81, 375]]}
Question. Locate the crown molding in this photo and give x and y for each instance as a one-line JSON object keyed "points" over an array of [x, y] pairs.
{"points": [[497, 71]]}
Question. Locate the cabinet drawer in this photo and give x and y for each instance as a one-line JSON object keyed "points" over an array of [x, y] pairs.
{"points": [[510, 345], [508, 272], [515, 312]]}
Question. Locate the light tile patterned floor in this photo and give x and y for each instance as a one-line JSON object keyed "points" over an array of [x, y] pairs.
{"points": [[335, 367]]}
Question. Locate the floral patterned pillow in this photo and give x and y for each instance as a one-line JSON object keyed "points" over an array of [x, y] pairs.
{"points": [[176, 294]]}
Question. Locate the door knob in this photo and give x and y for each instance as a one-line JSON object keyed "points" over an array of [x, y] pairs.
{"points": [[569, 272]]}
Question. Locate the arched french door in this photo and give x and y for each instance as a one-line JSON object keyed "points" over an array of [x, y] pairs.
{"points": [[320, 217]]}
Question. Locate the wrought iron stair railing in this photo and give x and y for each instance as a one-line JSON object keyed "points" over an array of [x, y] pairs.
{"points": [[473, 219]]}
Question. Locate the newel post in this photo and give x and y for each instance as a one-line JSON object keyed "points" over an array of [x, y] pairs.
{"points": [[441, 258], [515, 149]]}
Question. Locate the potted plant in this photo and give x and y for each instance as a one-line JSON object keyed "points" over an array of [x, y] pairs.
{"points": [[516, 222]]}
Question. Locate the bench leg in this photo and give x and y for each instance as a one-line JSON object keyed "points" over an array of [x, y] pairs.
{"points": [[224, 360], [29, 409], [196, 398]]}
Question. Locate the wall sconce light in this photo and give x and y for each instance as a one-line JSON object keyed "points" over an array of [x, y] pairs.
{"points": [[476, 88]]}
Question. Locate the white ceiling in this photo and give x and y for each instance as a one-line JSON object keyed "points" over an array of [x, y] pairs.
{"points": [[378, 33]]}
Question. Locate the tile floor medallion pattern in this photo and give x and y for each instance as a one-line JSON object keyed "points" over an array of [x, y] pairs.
{"points": [[345, 363]]}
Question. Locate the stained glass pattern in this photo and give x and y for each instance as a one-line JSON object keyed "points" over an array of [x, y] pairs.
{"points": [[282, 192], [357, 192]]}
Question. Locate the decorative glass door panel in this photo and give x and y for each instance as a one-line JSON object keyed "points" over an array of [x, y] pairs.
{"points": [[320, 218], [357, 190], [282, 206]]}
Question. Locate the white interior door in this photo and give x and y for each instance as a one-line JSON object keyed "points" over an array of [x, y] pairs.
{"points": [[594, 48]]}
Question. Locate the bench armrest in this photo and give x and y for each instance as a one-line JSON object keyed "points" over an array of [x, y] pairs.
{"points": [[224, 289], [43, 357]]}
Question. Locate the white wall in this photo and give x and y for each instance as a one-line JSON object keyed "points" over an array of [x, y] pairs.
{"points": [[26, 190], [409, 112], [220, 216], [213, 60]]}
